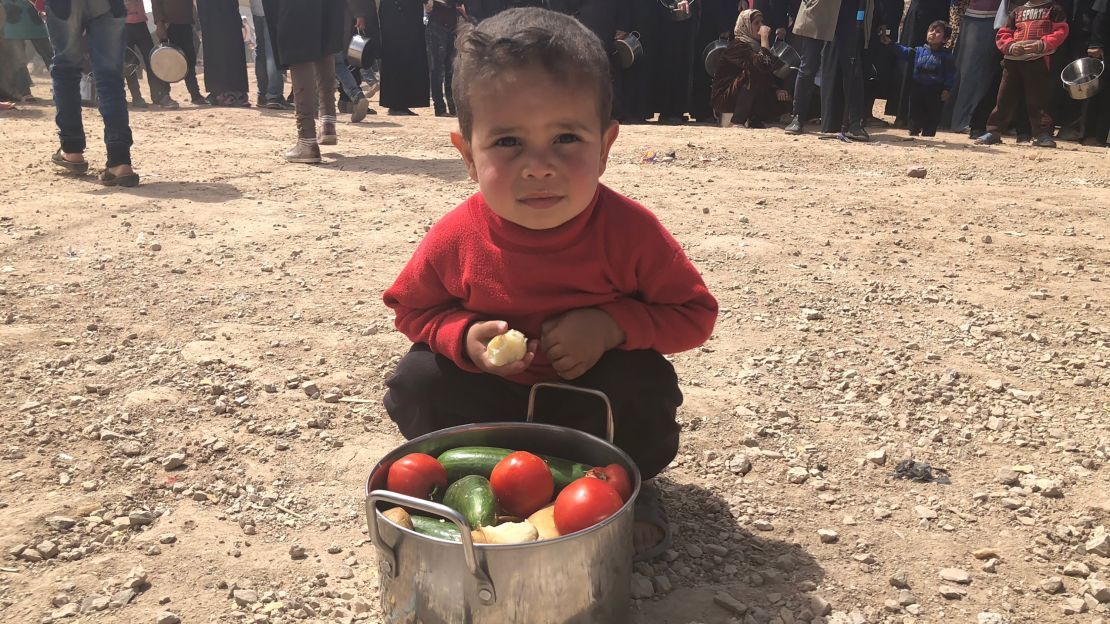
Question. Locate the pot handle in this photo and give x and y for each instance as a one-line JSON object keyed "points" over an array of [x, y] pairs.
{"points": [[486, 592], [609, 429]]}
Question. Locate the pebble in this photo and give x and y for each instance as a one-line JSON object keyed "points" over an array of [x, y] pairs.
{"points": [[1073, 606], [877, 457], [345, 572], [989, 617], [1074, 568], [955, 575], [140, 518], [763, 525], [244, 597], [985, 553], [297, 552], [797, 475], [951, 592], [641, 586], [917, 172], [1052, 585], [1099, 543], [173, 461], [987, 239], [828, 536], [898, 579], [335, 549], [728, 602], [167, 617], [167, 538], [66, 611], [740, 464], [61, 523]]}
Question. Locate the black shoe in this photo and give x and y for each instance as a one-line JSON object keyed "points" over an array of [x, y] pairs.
{"points": [[402, 111], [198, 100], [260, 101], [795, 126], [139, 103], [756, 125], [975, 133], [857, 133], [1044, 140], [1024, 138], [672, 120], [345, 106]]}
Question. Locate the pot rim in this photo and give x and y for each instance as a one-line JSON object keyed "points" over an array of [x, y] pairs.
{"points": [[634, 473]]}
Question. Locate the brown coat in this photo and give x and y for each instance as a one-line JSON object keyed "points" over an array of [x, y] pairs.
{"points": [[745, 84]]}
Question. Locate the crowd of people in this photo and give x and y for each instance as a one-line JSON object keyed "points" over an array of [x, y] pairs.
{"points": [[981, 67]]}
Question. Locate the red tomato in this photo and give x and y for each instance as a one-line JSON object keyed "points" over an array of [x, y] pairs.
{"points": [[584, 503], [417, 475], [522, 484], [616, 476]]}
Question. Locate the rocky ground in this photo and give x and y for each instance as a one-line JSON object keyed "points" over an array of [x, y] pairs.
{"points": [[192, 372]]}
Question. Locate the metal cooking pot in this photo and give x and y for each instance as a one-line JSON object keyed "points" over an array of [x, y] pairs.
{"points": [[362, 50], [1082, 78], [628, 49], [711, 55], [167, 61], [582, 578], [790, 58]]}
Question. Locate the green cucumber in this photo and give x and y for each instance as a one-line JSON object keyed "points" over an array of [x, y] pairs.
{"points": [[473, 497], [480, 460], [436, 527]]}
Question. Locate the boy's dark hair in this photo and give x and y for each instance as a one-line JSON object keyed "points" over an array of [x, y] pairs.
{"points": [[943, 25], [529, 37]]}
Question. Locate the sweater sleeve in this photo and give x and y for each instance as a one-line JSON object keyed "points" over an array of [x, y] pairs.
{"points": [[1059, 33], [427, 311], [673, 310], [1005, 37]]}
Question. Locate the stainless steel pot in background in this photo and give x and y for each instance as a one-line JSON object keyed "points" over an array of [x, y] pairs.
{"points": [[168, 62], [361, 51], [1082, 78], [628, 50], [711, 55], [582, 578], [790, 58]]}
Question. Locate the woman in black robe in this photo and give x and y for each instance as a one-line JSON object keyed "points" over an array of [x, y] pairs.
{"points": [[225, 61], [745, 89], [404, 77], [670, 90], [635, 103]]}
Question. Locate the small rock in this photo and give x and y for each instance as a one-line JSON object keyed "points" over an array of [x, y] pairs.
{"points": [[156, 246], [917, 172], [1074, 606], [167, 538], [61, 523], [311, 389], [989, 617], [740, 464], [1052, 585], [136, 578], [173, 461], [140, 518], [951, 592], [167, 617], [345, 572], [335, 549], [244, 597], [66, 611], [1099, 590], [728, 602], [990, 565], [641, 586], [1073, 568], [877, 457], [32, 555], [925, 512], [828, 536], [360, 605], [1099, 543], [810, 314], [985, 553], [898, 579], [955, 575], [296, 551], [763, 525], [94, 603], [797, 475], [48, 549], [661, 584], [987, 239], [122, 598]]}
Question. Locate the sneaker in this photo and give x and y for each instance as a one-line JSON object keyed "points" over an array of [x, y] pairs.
{"points": [[359, 109], [1024, 138], [169, 103], [306, 151], [328, 135], [857, 133], [199, 100], [371, 89], [1069, 133], [795, 126], [989, 138], [139, 103], [1044, 140], [273, 105]]}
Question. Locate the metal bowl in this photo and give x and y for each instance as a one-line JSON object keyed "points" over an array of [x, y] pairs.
{"points": [[1082, 78], [711, 55]]}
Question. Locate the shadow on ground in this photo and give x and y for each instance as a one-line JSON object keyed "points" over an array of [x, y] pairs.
{"points": [[766, 577], [446, 169], [203, 192]]}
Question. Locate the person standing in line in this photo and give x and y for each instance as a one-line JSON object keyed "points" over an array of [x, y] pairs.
{"points": [[404, 76], [815, 25], [23, 23], [102, 22], [138, 37], [443, 18], [671, 84], [267, 75], [1098, 114], [306, 36], [978, 66], [915, 30], [352, 99], [173, 21], [225, 60]]}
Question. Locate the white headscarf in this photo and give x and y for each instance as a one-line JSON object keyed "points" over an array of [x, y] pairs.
{"points": [[743, 29]]}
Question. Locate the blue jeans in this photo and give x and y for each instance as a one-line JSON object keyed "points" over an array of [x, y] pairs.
{"points": [[271, 82], [106, 45], [803, 85], [346, 79]]}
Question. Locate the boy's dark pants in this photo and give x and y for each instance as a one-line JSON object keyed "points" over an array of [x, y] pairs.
{"points": [[1031, 80], [428, 392], [925, 108]]}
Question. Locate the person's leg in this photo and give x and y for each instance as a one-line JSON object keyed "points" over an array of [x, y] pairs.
{"points": [[803, 84], [1009, 94], [346, 79], [132, 78], [261, 56], [305, 104], [181, 35], [159, 90], [325, 89], [933, 110], [435, 39], [1039, 84], [44, 49], [917, 109], [105, 36], [65, 71], [428, 392], [449, 74]]}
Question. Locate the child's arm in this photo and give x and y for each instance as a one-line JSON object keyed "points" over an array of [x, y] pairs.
{"points": [[1005, 37], [1059, 33], [672, 312]]}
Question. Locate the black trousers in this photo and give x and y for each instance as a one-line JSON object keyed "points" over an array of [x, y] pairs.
{"points": [[428, 392], [181, 35], [1030, 82], [925, 109], [138, 37]]}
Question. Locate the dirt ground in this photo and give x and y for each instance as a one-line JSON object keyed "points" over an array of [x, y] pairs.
{"points": [[866, 317]]}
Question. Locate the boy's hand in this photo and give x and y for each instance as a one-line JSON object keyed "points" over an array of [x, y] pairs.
{"points": [[576, 340], [944, 95], [477, 339], [1094, 52], [884, 39]]}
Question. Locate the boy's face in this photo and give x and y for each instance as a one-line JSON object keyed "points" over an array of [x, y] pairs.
{"points": [[935, 38], [536, 147]]}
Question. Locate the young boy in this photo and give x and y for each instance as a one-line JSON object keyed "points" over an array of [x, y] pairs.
{"points": [[1032, 33], [592, 278], [934, 73]]}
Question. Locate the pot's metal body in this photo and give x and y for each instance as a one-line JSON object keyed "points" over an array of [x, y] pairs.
{"points": [[628, 49], [167, 61], [790, 58], [361, 51], [582, 578], [711, 55], [1082, 78]]}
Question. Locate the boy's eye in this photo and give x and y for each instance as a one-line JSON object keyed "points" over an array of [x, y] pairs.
{"points": [[507, 142], [566, 138]]}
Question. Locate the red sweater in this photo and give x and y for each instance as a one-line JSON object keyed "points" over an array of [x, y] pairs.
{"points": [[475, 266], [1040, 21]]}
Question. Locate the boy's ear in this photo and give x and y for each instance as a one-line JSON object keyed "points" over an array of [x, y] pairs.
{"points": [[466, 152], [607, 139]]}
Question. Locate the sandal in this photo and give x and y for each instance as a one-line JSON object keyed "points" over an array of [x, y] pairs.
{"points": [[77, 168], [107, 178], [649, 508]]}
